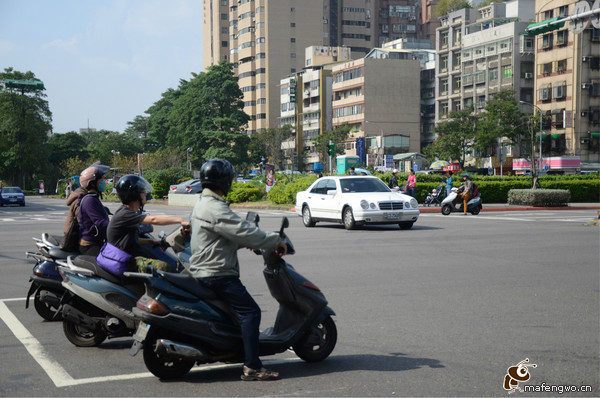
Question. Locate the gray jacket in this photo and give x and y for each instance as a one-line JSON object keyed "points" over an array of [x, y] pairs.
{"points": [[218, 233]]}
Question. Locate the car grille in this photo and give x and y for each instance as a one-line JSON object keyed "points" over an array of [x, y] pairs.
{"points": [[391, 205]]}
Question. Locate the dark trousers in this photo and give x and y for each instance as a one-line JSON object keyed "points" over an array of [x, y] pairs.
{"points": [[231, 289]]}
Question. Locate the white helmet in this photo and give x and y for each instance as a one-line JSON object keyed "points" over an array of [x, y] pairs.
{"points": [[394, 171]]}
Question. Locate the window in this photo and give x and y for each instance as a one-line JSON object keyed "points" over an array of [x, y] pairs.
{"points": [[493, 74], [260, 40], [261, 85], [261, 101], [444, 64], [444, 40], [293, 40], [507, 71], [547, 41], [444, 87], [546, 68], [560, 90], [224, 43], [561, 66], [444, 110], [562, 37], [544, 94], [224, 17], [292, 24]]}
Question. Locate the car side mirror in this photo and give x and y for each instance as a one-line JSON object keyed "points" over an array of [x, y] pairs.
{"points": [[331, 192]]}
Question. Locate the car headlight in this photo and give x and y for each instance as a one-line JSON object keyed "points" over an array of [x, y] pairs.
{"points": [[407, 205], [413, 203], [373, 206], [364, 204]]}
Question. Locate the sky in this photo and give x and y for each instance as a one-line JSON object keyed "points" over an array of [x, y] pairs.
{"points": [[103, 62]]}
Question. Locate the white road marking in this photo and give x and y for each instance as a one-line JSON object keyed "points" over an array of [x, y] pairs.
{"points": [[60, 377]]}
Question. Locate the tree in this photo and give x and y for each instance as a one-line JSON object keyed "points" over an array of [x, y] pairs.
{"points": [[445, 7], [337, 137], [500, 119], [25, 121], [269, 143], [455, 137]]}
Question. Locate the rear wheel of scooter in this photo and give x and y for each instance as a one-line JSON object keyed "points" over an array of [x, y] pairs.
{"points": [[45, 310], [318, 342], [81, 336], [348, 219], [476, 210], [446, 209], [164, 368]]}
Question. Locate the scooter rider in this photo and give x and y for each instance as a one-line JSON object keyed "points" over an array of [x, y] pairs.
{"points": [[467, 187], [217, 234]]}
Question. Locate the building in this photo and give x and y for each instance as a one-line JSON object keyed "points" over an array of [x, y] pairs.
{"points": [[380, 99], [306, 105], [567, 82], [264, 39]]}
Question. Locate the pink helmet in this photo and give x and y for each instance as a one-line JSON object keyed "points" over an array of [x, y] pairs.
{"points": [[93, 173]]}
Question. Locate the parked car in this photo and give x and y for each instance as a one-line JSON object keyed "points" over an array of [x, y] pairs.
{"points": [[355, 200], [12, 196], [189, 186]]}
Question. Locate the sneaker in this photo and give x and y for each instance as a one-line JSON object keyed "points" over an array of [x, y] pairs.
{"points": [[263, 374]]}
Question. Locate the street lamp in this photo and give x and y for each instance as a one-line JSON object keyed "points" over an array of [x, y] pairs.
{"points": [[189, 165], [541, 130], [380, 153], [115, 153]]}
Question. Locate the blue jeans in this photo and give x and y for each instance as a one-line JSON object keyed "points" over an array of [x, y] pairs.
{"points": [[411, 191], [231, 290]]}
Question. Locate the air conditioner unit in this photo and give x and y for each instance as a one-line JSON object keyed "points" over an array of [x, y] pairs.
{"points": [[585, 59], [586, 85], [528, 75], [250, 29]]}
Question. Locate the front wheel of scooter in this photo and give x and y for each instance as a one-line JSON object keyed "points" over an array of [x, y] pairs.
{"points": [[446, 209], [82, 336], [164, 368], [318, 342]]}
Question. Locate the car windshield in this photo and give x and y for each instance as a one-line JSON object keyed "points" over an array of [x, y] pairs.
{"points": [[357, 184], [12, 190]]}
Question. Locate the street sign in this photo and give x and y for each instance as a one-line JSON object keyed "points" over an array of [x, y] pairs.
{"points": [[490, 171], [546, 167]]}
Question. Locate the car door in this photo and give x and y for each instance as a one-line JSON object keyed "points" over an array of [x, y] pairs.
{"points": [[316, 198], [330, 201]]}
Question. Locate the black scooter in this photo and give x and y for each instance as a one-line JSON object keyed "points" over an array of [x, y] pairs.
{"points": [[184, 323]]}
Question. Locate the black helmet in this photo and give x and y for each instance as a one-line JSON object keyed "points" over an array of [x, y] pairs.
{"points": [[131, 188], [217, 173]]}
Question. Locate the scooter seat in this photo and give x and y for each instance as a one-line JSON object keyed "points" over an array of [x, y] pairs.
{"points": [[89, 262], [59, 254], [190, 284]]}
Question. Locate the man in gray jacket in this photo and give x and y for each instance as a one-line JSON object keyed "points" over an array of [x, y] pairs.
{"points": [[217, 234]]}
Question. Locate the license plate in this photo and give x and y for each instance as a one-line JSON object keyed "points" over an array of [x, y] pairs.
{"points": [[142, 332], [392, 216], [13, 200]]}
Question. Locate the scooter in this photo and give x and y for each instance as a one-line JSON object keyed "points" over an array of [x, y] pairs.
{"points": [[45, 279], [98, 304], [474, 205], [184, 323]]}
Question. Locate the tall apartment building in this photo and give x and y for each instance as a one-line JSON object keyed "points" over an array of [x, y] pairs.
{"points": [[265, 39], [380, 100], [567, 83]]}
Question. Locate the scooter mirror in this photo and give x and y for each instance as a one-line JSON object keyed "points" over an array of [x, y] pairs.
{"points": [[284, 224], [252, 217]]}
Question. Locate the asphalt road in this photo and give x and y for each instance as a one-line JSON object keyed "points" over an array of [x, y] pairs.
{"points": [[443, 309]]}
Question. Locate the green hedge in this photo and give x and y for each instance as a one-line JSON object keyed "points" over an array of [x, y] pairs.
{"points": [[539, 197], [246, 192], [285, 191]]}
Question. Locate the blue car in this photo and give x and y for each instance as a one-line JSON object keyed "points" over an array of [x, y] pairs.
{"points": [[12, 196]]}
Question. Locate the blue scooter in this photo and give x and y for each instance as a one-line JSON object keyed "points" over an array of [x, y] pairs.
{"points": [[98, 304], [185, 323]]}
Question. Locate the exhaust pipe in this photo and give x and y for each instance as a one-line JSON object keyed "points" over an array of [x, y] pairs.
{"points": [[72, 314], [167, 348]]}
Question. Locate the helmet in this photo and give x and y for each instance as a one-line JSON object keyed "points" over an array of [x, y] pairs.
{"points": [[131, 188], [394, 171], [467, 175], [93, 173], [217, 173]]}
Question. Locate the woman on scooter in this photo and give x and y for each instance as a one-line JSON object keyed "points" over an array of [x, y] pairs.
{"points": [[93, 218], [467, 187], [217, 234], [134, 192]]}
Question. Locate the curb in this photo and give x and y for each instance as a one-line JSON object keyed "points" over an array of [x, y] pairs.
{"points": [[516, 208]]}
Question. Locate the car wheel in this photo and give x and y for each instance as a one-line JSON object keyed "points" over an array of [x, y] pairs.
{"points": [[406, 225], [348, 219], [446, 209], [306, 217]]}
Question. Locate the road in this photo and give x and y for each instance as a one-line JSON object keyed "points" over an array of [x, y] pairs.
{"points": [[443, 309]]}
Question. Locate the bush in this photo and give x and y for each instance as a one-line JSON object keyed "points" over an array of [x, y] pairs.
{"points": [[248, 192], [539, 197], [161, 180], [284, 192]]}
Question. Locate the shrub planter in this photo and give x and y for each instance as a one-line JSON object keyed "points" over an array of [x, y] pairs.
{"points": [[539, 197]]}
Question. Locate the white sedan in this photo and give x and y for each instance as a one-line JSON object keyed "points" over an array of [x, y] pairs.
{"points": [[354, 200]]}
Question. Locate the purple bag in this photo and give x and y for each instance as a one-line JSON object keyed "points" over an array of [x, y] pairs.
{"points": [[113, 259]]}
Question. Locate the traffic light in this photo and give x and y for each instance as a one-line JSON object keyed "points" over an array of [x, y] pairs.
{"points": [[331, 149]]}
